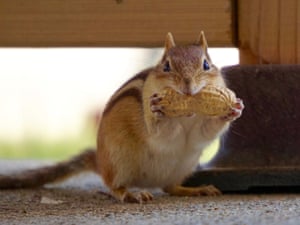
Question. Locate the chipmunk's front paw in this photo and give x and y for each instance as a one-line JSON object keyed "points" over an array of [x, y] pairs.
{"points": [[155, 106], [235, 112]]}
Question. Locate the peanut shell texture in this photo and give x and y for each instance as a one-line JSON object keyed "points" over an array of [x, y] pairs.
{"points": [[211, 101]]}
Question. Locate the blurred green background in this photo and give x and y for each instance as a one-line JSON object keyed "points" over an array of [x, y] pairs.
{"points": [[39, 148]]}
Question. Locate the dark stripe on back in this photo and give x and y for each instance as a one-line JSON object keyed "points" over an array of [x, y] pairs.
{"points": [[131, 92], [140, 76]]}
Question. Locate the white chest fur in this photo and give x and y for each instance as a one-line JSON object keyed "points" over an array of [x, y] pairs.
{"points": [[173, 152]]}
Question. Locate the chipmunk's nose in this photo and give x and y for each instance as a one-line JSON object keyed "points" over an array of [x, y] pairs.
{"points": [[186, 81]]}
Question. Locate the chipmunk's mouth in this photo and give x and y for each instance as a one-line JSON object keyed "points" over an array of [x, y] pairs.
{"points": [[197, 88], [190, 89]]}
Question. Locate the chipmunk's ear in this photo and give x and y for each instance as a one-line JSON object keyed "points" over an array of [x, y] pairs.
{"points": [[169, 41], [201, 41]]}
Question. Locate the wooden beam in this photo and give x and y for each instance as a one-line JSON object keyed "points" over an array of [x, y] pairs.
{"points": [[38, 23], [288, 32], [248, 31], [270, 31], [298, 32]]}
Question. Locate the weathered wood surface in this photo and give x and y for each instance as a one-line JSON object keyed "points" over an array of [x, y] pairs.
{"points": [[268, 132], [113, 22], [269, 31]]}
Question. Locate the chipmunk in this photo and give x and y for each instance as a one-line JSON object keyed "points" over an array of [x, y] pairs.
{"points": [[137, 144]]}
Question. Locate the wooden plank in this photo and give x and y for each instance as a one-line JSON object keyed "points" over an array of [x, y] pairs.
{"points": [[288, 29], [269, 31], [247, 56], [113, 23], [254, 19], [298, 32], [248, 30], [243, 24]]}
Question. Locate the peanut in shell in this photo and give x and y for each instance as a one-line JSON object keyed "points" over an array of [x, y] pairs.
{"points": [[211, 101]]}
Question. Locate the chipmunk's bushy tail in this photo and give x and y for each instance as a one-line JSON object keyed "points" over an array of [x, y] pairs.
{"points": [[85, 161]]}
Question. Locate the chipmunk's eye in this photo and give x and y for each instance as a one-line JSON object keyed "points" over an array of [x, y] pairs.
{"points": [[205, 65], [167, 67]]}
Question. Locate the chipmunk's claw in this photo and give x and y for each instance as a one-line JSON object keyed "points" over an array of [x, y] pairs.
{"points": [[235, 112], [155, 107]]}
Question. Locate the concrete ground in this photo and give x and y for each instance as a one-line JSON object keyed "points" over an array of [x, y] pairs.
{"points": [[82, 200]]}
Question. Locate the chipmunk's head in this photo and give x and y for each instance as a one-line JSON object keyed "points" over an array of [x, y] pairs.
{"points": [[188, 68]]}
